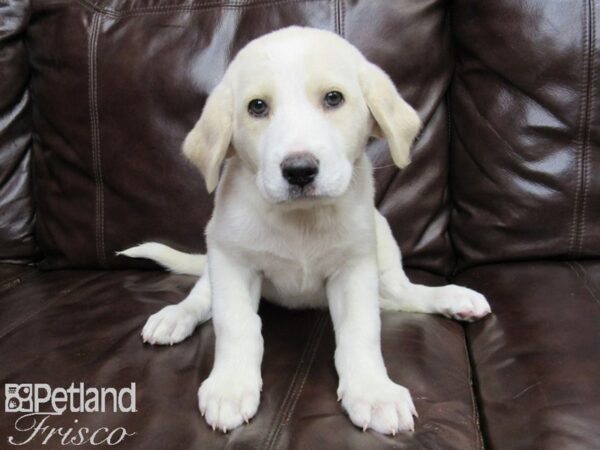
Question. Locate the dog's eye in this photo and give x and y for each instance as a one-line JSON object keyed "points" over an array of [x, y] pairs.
{"points": [[258, 108], [333, 99]]}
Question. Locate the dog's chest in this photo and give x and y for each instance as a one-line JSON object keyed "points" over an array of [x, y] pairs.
{"points": [[296, 282], [295, 267], [295, 253]]}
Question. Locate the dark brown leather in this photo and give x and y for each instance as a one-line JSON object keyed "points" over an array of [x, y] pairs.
{"points": [[109, 89], [117, 85], [536, 359], [410, 40], [525, 136], [16, 206], [13, 274], [80, 326]]}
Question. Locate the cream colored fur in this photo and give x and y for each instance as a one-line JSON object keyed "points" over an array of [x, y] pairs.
{"points": [[326, 247]]}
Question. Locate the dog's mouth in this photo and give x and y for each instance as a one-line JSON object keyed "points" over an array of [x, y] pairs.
{"points": [[305, 197], [295, 196], [298, 192]]}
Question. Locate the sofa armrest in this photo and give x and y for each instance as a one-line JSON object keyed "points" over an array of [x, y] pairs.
{"points": [[16, 204]]}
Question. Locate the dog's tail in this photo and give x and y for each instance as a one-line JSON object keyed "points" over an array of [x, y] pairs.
{"points": [[171, 259]]}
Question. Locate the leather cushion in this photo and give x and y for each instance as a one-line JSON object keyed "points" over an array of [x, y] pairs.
{"points": [[118, 84], [17, 243], [83, 326], [536, 360], [525, 135]]}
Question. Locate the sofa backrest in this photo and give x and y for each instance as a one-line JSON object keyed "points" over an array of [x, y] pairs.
{"points": [[112, 87], [525, 157], [116, 86]]}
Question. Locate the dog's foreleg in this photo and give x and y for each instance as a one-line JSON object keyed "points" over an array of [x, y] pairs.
{"points": [[174, 323], [230, 395], [398, 293], [368, 395]]}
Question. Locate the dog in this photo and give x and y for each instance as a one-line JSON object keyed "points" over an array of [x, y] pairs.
{"points": [[282, 139]]}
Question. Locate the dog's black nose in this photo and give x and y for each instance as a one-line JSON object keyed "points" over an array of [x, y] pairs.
{"points": [[300, 169]]}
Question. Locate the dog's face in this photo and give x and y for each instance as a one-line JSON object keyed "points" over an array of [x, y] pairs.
{"points": [[298, 106], [300, 119]]}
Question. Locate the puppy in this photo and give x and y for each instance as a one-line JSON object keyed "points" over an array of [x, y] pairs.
{"points": [[295, 222]]}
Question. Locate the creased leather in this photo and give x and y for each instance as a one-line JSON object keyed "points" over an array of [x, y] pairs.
{"points": [[84, 326], [17, 243], [524, 159], [117, 85], [536, 363]]}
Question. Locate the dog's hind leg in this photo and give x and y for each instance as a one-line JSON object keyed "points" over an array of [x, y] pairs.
{"points": [[398, 293], [174, 323]]}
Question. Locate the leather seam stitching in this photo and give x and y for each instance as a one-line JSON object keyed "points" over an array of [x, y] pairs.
{"points": [[591, 77], [269, 442], [270, 436], [583, 123], [475, 411], [15, 281], [99, 148], [450, 200], [290, 399], [193, 7], [92, 128], [292, 407], [339, 11], [343, 18], [336, 16], [95, 139]]}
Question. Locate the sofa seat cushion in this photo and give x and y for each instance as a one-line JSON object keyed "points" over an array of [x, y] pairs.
{"points": [[68, 327], [13, 274], [536, 360]]}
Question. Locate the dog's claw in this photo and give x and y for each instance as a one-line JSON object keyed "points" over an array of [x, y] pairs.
{"points": [[365, 427]]}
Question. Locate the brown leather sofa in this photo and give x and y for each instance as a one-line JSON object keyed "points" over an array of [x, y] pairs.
{"points": [[503, 196]]}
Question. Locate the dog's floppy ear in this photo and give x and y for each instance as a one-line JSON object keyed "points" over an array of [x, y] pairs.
{"points": [[395, 120], [209, 141]]}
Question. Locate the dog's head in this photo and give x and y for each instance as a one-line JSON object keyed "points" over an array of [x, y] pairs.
{"points": [[298, 106]]}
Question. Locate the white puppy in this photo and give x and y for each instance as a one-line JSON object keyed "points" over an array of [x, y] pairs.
{"points": [[295, 222]]}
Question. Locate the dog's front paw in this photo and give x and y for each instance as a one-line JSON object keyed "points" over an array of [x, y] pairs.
{"points": [[227, 401], [170, 325], [461, 303], [381, 404]]}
